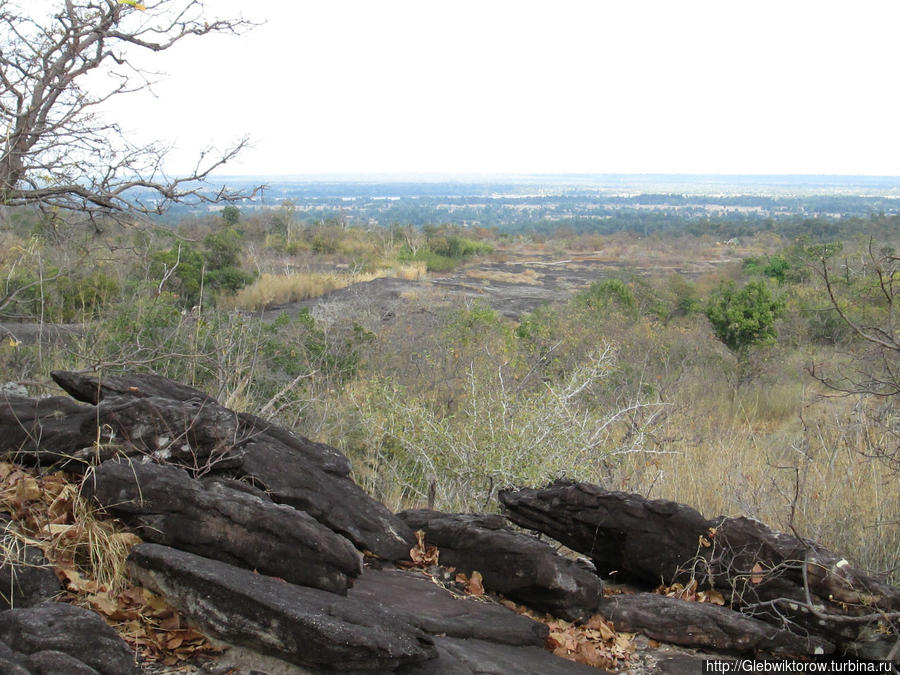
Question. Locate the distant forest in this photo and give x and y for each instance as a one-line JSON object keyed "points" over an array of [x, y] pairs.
{"points": [[822, 209]]}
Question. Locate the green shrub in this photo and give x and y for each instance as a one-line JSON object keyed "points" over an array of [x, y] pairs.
{"points": [[602, 296], [746, 317]]}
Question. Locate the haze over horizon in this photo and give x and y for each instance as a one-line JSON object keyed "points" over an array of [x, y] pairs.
{"points": [[647, 87]]}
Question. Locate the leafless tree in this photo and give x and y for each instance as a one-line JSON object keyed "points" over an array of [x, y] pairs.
{"points": [[873, 373], [57, 151]]}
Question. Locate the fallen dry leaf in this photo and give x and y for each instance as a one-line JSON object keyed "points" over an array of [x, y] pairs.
{"points": [[421, 554], [475, 585], [756, 577]]}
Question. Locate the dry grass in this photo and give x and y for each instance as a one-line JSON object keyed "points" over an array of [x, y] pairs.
{"points": [[277, 289], [411, 272], [758, 457], [529, 276], [48, 513]]}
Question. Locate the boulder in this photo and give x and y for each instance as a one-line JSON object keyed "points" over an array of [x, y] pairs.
{"points": [[163, 504], [789, 582], [75, 632], [51, 662], [94, 388], [293, 477], [517, 565], [148, 415], [305, 626], [638, 539], [199, 435]]}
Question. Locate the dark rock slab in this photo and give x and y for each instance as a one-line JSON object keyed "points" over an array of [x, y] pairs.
{"points": [[166, 506], [26, 578], [700, 624], [51, 662], [743, 543], [291, 477], [435, 610], [94, 388], [199, 435], [45, 431], [149, 415], [640, 540], [478, 657], [76, 632], [305, 626], [11, 663], [328, 459], [517, 565]]}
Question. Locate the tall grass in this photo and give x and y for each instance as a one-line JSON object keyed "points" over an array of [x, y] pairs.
{"points": [[278, 289]]}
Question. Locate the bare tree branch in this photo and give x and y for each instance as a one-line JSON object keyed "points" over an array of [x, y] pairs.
{"points": [[56, 150]]}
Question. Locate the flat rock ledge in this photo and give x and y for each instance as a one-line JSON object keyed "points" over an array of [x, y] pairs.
{"points": [[149, 417], [514, 564], [305, 626]]}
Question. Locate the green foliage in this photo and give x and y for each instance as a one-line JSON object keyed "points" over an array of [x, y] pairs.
{"points": [[470, 323], [336, 356], [685, 299], [603, 296], [443, 251], [231, 215], [185, 281], [457, 247], [81, 297], [223, 249], [228, 279], [746, 317]]}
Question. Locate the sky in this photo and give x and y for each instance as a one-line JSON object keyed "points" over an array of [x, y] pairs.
{"points": [[569, 86]]}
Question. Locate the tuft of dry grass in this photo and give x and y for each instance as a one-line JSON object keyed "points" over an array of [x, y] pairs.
{"points": [[411, 272], [48, 513]]}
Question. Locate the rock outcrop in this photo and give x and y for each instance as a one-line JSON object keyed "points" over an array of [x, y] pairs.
{"points": [[789, 582], [306, 626], [258, 535]]}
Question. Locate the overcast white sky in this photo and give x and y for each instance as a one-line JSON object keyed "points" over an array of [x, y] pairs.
{"points": [[497, 86]]}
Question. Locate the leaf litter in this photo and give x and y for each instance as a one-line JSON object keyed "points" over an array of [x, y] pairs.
{"points": [[88, 555], [594, 642]]}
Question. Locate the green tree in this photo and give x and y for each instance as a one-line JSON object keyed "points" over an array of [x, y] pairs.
{"points": [[223, 249], [742, 318], [231, 215]]}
